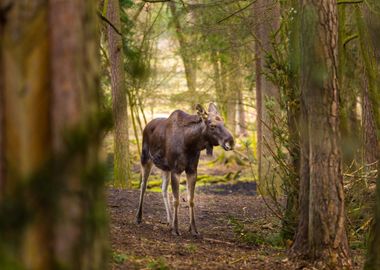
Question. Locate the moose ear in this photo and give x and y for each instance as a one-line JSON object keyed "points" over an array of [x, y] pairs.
{"points": [[212, 108], [201, 111]]}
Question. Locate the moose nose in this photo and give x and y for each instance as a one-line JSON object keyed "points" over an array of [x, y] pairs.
{"points": [[229, 143]]}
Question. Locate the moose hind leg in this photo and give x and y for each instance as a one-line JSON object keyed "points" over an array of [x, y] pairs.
{"points": [[191, 180], [175, 190], [145, 172], [165, 184]]}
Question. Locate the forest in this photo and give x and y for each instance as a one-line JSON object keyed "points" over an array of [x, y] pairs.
{"points": [[189, 134]]}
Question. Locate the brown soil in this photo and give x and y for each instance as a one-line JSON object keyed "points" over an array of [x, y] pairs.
{"points": [[151, 245]]}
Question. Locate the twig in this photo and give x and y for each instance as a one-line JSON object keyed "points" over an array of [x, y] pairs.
{"points": [[109, 23], [219, 241], [236, 12]]}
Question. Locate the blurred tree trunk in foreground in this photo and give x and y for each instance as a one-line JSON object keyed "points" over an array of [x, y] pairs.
{"points": [[321, 235], [119, 98], [52, 211]]}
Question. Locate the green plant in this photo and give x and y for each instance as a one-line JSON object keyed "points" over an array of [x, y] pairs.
{"points": [[119, 257], [159, 264]]}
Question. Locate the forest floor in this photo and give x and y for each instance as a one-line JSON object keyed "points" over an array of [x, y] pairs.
{"points": [[237, 232]]}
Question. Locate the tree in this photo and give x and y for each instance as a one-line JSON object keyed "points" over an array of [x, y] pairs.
{"points": [[52, 183], [189, 60], [370, 47], [321, 234], [267, 20], [119, 97]]}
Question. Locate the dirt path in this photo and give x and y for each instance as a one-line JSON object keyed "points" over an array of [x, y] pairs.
{"points": [[151, 246]]}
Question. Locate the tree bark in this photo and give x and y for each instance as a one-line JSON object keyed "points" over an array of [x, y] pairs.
{"points": [[2, 116], [119, 99], [321, 235], [267, 21], [189, 60], [50, 97], [293, 112], [370, 47]]}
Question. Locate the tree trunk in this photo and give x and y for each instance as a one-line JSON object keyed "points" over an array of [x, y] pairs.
{"points": [[237, 85], [119, 99], [369, 45], [242, 123], [259, 94], [267, 21], [291, 188], [189, 60], [321, 235], [50, 137], [2, 115], [25, 131]]}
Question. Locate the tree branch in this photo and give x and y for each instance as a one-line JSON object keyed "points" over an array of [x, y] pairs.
{"points": [[109, 23], [349, 2], [236, 12], [156, 1]]}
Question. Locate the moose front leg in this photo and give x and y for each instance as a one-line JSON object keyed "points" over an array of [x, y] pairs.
{"points": [[175, 190], [191, 180], [165, 184]]}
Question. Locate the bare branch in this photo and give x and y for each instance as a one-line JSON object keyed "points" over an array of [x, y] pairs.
{"points": [[109, 23]]}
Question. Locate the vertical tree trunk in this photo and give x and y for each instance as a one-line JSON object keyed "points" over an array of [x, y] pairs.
{"points": [[25, 124], [369, 44], [290, 220], [2, 110], [267, 21], [50, 136], [189, 60], [321, 234], [237, 85], [80, 240], [242, 123], [259, 89], [119, 99]]}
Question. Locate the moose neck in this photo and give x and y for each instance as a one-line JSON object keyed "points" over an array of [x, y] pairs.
{"points": [[196, 137]]}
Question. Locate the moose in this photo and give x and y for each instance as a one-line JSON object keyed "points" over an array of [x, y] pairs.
{"points": [[173, 145]]}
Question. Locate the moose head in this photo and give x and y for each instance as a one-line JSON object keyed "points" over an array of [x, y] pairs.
{"points": [[216, 132]]}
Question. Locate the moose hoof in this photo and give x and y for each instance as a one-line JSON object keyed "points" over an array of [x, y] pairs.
{"points": [[194, 232], [175, 232], [138, 220]]}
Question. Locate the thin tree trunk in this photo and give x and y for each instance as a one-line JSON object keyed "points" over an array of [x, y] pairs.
{"points": [[321, 235], [236, 86], [290, 220], [119, 99], [267, 14], [259, 94], [189, 60], [216, 77], [242, 120]]}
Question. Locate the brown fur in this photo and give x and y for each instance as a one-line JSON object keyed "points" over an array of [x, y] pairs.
{"points": [[174, 144]]}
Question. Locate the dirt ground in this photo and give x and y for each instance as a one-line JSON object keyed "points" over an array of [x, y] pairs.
{"points": [[151, 245]]}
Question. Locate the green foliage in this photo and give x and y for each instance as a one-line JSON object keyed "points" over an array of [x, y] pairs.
{"points": [[191, 248], [159, 264], [254, 238], [119, 257]]}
